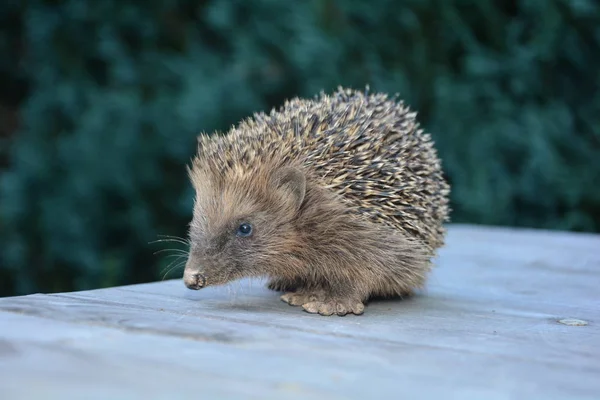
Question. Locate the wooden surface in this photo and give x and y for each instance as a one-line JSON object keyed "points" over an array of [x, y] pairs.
{"points": [[486, 328]]}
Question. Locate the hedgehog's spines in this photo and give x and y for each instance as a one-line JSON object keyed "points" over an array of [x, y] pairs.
{"points": [[366, 147]]}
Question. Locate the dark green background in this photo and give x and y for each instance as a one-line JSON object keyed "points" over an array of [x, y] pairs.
{"points": [[101, 101]]}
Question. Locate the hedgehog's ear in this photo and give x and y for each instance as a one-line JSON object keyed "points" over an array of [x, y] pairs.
{"points": [[292, 182]]}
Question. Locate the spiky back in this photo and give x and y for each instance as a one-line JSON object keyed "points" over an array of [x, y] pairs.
{"points": [[368, 148]]}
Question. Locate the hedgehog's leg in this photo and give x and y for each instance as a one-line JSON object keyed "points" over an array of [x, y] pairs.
{"points": [[388, 264], [325, 301], [302, 296], [279, 284], [317, 300], [335, 305]]}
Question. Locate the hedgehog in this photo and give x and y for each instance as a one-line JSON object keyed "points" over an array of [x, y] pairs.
{"points": [[335, 200]]}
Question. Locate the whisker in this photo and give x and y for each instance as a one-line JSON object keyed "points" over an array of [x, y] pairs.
{"points": [[172, 236], [171, 240], [179, 265], [176, 255], [178, 251], [178, 259], [175, 239]]}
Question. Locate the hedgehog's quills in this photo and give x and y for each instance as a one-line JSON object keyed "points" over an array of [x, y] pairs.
{"points": [[336, 200]]}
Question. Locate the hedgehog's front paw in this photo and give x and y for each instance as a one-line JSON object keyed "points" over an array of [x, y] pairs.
{"points": [[299, 298], [338, 306]]}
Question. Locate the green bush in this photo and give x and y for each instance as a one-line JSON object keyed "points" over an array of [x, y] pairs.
{"points": [[111, 94]]}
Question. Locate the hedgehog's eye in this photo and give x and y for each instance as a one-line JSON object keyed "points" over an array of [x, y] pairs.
{"points": [[244, 230]]}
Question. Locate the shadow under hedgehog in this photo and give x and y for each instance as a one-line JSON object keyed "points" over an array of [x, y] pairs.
{"points": [[335, 199]]}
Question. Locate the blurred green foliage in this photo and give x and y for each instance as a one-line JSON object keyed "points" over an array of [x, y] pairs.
{"points": [[101, 102]]}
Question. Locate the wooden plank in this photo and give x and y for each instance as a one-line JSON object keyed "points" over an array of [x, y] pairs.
{"points": [[486, 327]]}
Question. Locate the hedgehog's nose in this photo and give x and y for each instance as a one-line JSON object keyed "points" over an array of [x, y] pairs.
{"points": [[194, 280], [192, 277]]}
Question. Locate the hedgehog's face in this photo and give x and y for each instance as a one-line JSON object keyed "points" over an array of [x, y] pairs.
{"points": [[242, 225]]}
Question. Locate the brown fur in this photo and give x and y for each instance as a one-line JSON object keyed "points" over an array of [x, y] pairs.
{"points": [[329, 247]]}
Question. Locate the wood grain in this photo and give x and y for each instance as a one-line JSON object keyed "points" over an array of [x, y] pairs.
{"points": [[486, 328]]}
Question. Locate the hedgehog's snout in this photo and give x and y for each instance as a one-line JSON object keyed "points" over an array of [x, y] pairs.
{"points": [[194, 280]]}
